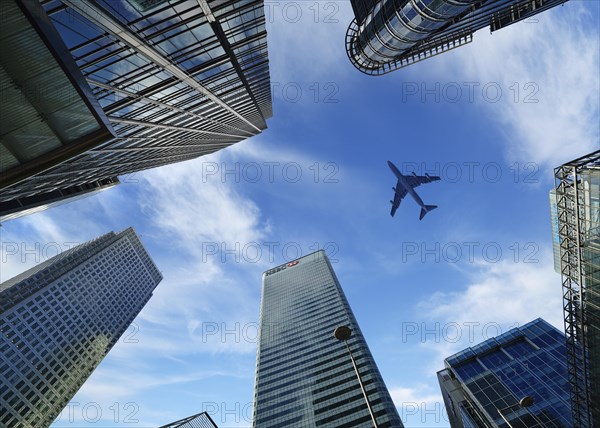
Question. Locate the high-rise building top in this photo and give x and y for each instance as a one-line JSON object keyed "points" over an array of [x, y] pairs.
{"points": [[482, 386], [391, 34], [32, 204], [577, 189], [59, 319], [201, 420], [304, 376], [151, 83]]}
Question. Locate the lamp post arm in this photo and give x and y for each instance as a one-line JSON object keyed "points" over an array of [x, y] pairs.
{"points": [[502, 416], [362, 387]]}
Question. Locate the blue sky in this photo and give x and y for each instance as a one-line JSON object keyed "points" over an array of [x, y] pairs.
{"points": [[491, 118]]}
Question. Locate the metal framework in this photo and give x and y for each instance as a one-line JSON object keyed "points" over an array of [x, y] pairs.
{"points": [[580, 250], [419, 53], [455, 32], [201, 420]]}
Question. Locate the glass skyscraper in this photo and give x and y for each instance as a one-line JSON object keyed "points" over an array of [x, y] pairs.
{"points": [[97, 89], [59, 319], [578, 209], [304, 375], [391, 34], [201, 420], [483, 385]]}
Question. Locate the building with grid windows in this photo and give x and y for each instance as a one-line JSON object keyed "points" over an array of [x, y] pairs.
{"points": [[201, 420], [59, 319], [577, 190], [390, 34], [304, 375], [484, 386], [95, 89]]}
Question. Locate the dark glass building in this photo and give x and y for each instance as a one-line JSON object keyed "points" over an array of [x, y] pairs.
{"points": [[483, 386], [59, 319], [391, 34], [578, 209], [304, 375], [201, 420], [33, 204], [92, 90]]}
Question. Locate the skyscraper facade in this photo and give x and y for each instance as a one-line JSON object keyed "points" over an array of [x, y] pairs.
{"points": [[304, 375], [201, 420], [98, 89], [483, 386], [59, 319], [29, 205], [577, 188], [390, 34]]}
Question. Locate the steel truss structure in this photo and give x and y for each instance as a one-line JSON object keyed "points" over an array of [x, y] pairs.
{"points": [[578, 195], [201, 420]]}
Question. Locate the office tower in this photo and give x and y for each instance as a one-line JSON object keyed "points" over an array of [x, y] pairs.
{"points": [[304, 375], [201, 420], [578, 202], [59, 319], [390, 34], [30, 205], [492, 384], [93, 90]]}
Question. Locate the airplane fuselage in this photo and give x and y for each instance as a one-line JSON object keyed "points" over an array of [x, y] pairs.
{"points": [[404, 183]]}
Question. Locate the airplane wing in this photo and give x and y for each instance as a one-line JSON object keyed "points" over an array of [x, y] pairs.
{"points": [[400, 193], [416, 180]]}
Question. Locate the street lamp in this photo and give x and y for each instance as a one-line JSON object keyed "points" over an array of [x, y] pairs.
{"points": [[526, 401], [343, 333]]}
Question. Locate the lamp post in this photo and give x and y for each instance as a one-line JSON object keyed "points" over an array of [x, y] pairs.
{"points": [[343, 333], [526, 401]]}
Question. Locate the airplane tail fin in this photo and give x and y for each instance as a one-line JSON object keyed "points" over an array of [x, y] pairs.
{"points": [[426, 209]]}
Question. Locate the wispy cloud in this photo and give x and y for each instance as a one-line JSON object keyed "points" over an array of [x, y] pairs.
{"points": [[497, 297], [547, 71], [113, 397], [182, 205], [304, 30], [505, 293], [186, 216], [420, 405], [34, 239]]}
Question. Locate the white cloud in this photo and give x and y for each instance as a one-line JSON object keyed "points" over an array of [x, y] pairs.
{"points": [[255, 150], [34, 239], [419, 405], [504, 293], [497, 298], [301, 30], [201, 298], [113, 398], [547, 70], [109, 383], [181, 203]]}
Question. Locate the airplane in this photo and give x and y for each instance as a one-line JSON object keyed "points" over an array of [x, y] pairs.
{"points": [[406, 184]]}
